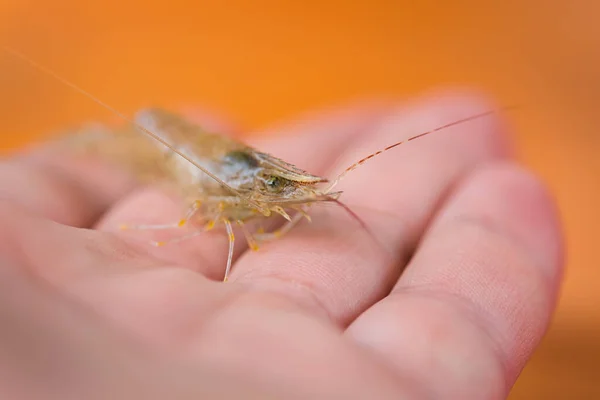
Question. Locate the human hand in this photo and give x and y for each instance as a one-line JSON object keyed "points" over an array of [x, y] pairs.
{"points": [[320, 313]]}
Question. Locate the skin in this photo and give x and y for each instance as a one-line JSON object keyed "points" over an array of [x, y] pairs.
{"points": [[453, 310]]}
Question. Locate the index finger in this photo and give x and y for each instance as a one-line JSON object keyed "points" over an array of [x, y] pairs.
{"points": [[59, 187]]}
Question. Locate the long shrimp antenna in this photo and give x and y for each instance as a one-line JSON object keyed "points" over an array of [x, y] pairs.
{"points": [[439, 128], [154, 136]]}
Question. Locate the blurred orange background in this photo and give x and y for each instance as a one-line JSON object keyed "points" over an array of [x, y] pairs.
{"points": [[264, 61]]}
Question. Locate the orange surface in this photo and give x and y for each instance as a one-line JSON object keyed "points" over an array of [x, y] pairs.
{"points": [[263, 61]]}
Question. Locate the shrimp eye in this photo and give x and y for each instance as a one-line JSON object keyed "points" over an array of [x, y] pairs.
{"points": [[274, 182]]}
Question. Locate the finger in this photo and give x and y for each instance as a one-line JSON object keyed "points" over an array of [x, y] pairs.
{"points": [[478, 295], [310, 143], [335, 264], [61, 188]]}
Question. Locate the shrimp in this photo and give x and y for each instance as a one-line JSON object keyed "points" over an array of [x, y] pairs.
{"points": [[222, 181]]}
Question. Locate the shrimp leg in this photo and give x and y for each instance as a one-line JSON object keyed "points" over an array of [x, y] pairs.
{"points": [[126, 227], [252, 244], [209, 226], [179, 239], [285, 228], [190, 213], [231, 245]]}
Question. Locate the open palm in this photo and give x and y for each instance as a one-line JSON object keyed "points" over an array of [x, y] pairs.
{"points": [[452, 308]]}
